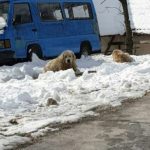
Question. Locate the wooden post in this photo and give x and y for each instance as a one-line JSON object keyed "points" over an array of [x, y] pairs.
{"points": [[129, 39]]}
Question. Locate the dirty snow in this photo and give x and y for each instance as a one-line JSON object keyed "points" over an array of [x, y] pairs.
{"points": [[25, 90], [2, 24]]}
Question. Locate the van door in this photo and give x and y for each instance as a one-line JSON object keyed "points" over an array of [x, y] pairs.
{"points": [[24, 28], [79, 23], [51, 30]]}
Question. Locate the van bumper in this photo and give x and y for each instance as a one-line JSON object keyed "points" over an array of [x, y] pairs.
{"points": [[6, 56]]}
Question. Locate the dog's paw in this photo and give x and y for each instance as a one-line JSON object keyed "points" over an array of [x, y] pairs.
{"points": [[78, 73]]}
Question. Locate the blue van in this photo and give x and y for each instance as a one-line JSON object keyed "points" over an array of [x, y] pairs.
{"points": [[47, 28]]}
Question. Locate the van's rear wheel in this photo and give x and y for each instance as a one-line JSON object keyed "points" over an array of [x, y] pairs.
{"points": [[34, 50], [85, 50]]}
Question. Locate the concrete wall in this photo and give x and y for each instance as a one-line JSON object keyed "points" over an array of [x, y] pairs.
{"points": [[142, 48]]}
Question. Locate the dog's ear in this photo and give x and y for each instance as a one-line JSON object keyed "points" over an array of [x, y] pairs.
{"points": [[74, 56], [62, 57]]}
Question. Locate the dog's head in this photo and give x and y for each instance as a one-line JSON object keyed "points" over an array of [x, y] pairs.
{"points": [[68, 57], [117, 52]]}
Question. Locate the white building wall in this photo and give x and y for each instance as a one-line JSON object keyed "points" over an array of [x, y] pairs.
{"points": [[110, 17], [111, 20], [139, 11]]}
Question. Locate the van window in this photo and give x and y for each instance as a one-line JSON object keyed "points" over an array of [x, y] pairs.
{"points": [[22, 13], [50, 11], [4, 6], [78, 11]]}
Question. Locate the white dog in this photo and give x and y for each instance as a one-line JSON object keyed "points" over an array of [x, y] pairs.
{"points": [[66, 60]]}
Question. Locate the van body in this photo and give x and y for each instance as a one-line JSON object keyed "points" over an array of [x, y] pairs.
{"points": [[48, 27]]}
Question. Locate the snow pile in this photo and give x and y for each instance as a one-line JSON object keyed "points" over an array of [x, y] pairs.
{"points": [[11, 142], [20, 71], [2, 24], [24, 97]]}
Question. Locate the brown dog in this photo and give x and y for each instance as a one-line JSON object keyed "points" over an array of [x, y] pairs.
{"points": [[66, 60], [120, 57]]}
